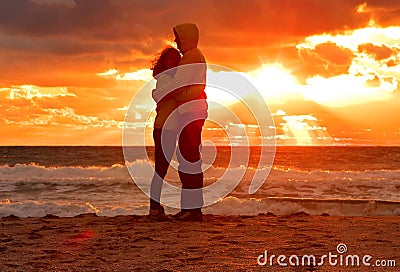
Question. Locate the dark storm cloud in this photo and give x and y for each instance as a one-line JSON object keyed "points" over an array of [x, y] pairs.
{"points": [[384, 12], [102, 33], [230, 21]]}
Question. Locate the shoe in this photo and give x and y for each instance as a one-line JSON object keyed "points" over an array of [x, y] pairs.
{"points": [[190, 216], [158, 215], [179, 214]]}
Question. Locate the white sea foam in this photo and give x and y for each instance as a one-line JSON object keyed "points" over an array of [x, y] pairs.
{"points": [[34, 190], [40, 209], [287, 206], [227, 206], [37, 172], [40, 173]]}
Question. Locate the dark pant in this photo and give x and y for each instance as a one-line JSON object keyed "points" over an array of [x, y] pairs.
{"points": [[163, 150], [189, 158], [190, 173]]}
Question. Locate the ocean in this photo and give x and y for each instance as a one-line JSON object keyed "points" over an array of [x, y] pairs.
{"points": [[68, 181]]}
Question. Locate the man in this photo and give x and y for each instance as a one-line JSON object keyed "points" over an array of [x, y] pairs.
{"points": [[187, 87]]}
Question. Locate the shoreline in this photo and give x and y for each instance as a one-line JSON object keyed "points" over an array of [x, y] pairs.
{"points": [[88, 242]]}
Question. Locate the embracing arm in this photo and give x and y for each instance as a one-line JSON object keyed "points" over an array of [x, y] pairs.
{"points": [[177, 88], [187, 93], [190, 73]]}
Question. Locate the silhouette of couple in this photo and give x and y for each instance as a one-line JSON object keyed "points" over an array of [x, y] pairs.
{"points": [[181, 112]]}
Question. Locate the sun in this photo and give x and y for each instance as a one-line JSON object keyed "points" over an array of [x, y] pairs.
{"points": [[275, 83]]}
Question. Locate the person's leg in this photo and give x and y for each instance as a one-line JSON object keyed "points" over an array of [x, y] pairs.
{"points": [[164, 147], [190, 173]]}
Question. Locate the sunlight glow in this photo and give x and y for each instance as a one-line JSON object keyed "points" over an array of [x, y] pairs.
{"points": [[298, 127], [373, 74], [32, 91], [108, 73], [341, 90], [304, 129], [140, 75], [353, 38], [275, 83]]}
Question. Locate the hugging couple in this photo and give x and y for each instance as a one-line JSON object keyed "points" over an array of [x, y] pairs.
{"points": [[181, 112]]}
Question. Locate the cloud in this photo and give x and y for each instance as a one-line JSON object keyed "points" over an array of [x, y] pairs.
{"points": [[383, 12], [353, 67], [109, 73], [30, 92], [124, 34], [125, 19], [127, 32], [334, 54], [62, 118], [351, 39], [139, 75], [22, 103], [377, 52], [64, 3], [325, 59]]}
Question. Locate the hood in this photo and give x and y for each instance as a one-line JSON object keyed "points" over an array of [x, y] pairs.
{"points": [[188, 34]]}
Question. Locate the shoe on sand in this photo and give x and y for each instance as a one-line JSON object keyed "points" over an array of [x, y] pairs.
{"points": [[179, 214], [158, 215], [190, 216]]}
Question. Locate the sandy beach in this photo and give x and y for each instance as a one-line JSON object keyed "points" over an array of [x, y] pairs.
{"points": [[220, 243]]}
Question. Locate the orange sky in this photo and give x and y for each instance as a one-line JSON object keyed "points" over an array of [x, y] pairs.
{"points": [[329, 70]]}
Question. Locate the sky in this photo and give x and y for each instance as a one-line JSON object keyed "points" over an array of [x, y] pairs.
{"points": [[328, 70]]}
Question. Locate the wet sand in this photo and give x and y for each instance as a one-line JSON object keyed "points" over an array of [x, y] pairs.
{"points": [[220, 243]]}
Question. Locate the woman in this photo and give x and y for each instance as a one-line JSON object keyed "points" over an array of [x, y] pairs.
{"points": [[165, 129]]}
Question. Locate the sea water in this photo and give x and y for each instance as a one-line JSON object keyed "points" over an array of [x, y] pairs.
{"points": [[68, 181]]}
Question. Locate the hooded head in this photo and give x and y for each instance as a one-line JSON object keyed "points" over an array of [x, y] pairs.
{"points": [[186, 36]]}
